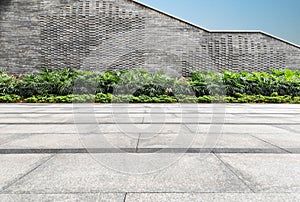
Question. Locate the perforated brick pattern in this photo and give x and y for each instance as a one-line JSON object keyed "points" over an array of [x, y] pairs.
{"points": [[121, 34], [92, 35]]}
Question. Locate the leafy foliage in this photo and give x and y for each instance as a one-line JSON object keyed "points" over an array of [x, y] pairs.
{"points": [[283, 82], [68, 86], [47, 82], [207, 83], [109, 98], [8, 84], [142, 82], [10, 98]]}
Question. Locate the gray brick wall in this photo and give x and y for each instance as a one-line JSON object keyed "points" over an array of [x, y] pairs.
{"points": [[121, 34]]}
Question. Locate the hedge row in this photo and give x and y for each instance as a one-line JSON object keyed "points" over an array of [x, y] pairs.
{"points": [[282, 82], [109, 98], [141, 82]]}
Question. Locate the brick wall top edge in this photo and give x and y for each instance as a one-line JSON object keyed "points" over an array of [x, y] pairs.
{"points": [[215, 31]]}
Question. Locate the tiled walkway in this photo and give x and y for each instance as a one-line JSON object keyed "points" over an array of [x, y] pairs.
{"points": [[149, 152]]}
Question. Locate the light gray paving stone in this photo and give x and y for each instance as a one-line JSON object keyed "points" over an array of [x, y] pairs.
{"points": [[62, 118], [6, 138], [67, 141], [218, 197], [242, 129], [97, 197], [221, 119], [260, 120], [272, 173], [286, 141], [270, 107], [263, 115], [119, 173], [43, 141], [291, 128], [237, 141], [139, 110], [48, 116], [120, 140], [93, 128], [137, 128], [264, 106], [243, 141], [14, 166], [129, 118], [294, 120], [270, 110], [40, 128], [173, 140]]}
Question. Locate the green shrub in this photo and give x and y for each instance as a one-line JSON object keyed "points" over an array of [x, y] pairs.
{"points": [[142, 82], [207, 83], [103, 98], [282, 82], [279, 86], [32, 99], [296, 100], [8, 84], [186, 99], [164, 99], [10, 98], [47, 82], [107, 81], [108, 98], [141, 99], [205, 99], [122, 98]]}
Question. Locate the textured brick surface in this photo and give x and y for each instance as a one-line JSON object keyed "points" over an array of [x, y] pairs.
{"points": [[122, 34]]}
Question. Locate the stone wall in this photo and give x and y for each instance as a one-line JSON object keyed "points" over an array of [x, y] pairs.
{"points": [[122, 34]]}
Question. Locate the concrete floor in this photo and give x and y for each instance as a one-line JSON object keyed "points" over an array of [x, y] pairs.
{"points": [[149, 152]]}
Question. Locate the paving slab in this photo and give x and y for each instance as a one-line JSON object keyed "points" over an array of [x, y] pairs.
{"points": [[67, 173], [13, 167], [290, 142], [38, 128], [39, 141], [274, 173], [242, 128], [67, 141], [141, 118], [291, 128], [249, 152], [97, 197], [118, 108], [95, 128], [235, 141], [218, 197], [63, 119], [6, 138], [120, 140], [262, 120], [137, 128]]}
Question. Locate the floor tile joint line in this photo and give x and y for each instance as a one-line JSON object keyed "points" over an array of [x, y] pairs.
{"points": [[272, 144], [27, 173], [232, 171], [138, 142], [125, 196]]}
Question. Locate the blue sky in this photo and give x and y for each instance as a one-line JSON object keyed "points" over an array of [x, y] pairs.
{"points": [[277, 17]]}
